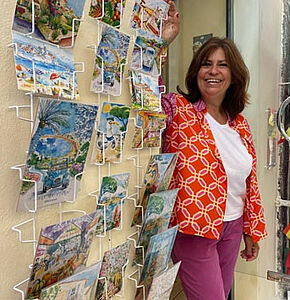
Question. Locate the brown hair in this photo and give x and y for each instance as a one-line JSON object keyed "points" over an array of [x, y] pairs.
{"points": [[236, 97]]}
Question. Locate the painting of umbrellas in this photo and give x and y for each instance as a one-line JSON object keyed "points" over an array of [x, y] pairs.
{"points": [[148, 53], [57, 152], [157, 179], [113, 265], [144, 90], [110, 12], [156, 220], [113, 190], [148, 15], [54, 21], [43, 68], [110, 59], [62, 251], [81, 285]]}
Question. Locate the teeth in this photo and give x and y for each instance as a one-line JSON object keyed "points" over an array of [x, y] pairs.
{"points": [[213, 80]]}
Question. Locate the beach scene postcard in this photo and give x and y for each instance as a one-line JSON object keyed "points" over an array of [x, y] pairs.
{"points": [[56, 22], [57, 153]]}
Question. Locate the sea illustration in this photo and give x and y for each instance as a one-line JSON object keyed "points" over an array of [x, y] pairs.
{"points": [[156, 179], [148, 53], [148, 15], [54, 21], [44, 68], [144, 90], [114, 261], [156, 220], [81, 285], [62, 251], [111, 56], [57, 152], [110, 12]]}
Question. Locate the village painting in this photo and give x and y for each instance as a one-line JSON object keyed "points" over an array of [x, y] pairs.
{"points": [[57, 152], [148, 15], [148, 53], [81, 285], [113, 265], [113, 190], [144, 90], [62, 251], [54, 21], [110, 59], [148, 129], [110, 12], [156, 220], [156, 179], [43, 68]]}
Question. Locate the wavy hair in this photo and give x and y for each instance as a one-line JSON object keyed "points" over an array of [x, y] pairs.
{"points": [[236, 97]]}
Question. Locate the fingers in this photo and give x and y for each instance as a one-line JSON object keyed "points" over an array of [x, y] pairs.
{"points": [[250, 253]]}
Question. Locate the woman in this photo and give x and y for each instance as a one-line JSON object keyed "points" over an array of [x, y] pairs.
{"points": [[218, 200]]}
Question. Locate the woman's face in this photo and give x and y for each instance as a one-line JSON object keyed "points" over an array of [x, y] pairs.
{"points": [[214, 77]]}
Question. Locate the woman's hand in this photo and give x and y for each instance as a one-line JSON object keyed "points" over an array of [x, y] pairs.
{"points": [[251, 250], [170, 27]]}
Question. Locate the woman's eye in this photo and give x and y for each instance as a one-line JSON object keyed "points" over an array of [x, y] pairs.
{"points": [[205, 64], [223, 65]]}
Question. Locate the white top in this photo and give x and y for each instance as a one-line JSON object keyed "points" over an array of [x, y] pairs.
{"points": [[237, 163]]}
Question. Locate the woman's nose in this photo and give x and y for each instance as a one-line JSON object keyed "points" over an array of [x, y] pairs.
{"points": [[213, 69]]}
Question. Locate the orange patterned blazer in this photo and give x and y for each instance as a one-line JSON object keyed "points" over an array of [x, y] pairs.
{"points": [[200, 175]]}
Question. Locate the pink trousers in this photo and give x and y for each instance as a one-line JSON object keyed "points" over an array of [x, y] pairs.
{"points": [[207, 266]]}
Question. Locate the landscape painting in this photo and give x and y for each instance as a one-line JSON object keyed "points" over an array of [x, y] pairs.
{"points": [[157, 179], [44, 69], [62, 251], [144, 90], [156, 220], [148, 15], [110, 12], [57, 153], [110, 59], [114, 261], [54, 21], [148, 53], [81, 285]]}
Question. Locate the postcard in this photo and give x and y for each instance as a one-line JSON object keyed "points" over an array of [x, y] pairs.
{"points": [[157, 179], [158, 255], [156, 220], [110, 59], [110, 12], [148, 130], [113, 265], [148, 53], [162, 284], [148, 15], [62, 251], [43, 68], [80, 286], [144, 91], [57, 152], [54, 21]]}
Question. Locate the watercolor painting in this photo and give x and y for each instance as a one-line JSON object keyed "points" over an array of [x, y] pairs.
{"points": [[162, 284], [80, 286], [148, 15], [144, 90], [110, 59], [113, 190], [110, 12], [62, 251], [114, 261], [157, 179], [158, 255], [57, 153], [43, 68], [156, 220], [148, 53], [149, 128], [54, 21]]}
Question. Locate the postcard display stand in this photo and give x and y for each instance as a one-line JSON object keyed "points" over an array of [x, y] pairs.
{"points": [[100, 163]]}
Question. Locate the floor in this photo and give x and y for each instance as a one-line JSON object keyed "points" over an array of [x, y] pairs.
{"points": [[177, 291]]}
